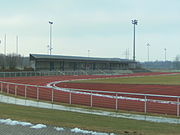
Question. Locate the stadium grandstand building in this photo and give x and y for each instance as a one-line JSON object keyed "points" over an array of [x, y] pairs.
{"points": [[41, 62]]}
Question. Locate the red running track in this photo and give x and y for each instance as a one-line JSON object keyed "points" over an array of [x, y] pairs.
{"points": [[43, 80], [97, 101]]}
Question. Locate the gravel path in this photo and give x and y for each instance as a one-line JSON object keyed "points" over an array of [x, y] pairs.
{"points": [[21, 130]]}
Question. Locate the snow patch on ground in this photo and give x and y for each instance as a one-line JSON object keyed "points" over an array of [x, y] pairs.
{"points": [[14, 122], [59, 128], [38, 126], [77, 130]]}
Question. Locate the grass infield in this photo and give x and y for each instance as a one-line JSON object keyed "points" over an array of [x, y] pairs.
{"points": [[161, 79], [86, 121]]}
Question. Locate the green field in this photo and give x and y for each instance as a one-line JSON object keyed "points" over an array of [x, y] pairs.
{"points": [[93, 122], [160, 79], [86, 121]]}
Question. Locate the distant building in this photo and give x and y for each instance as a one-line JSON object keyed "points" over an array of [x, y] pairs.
{"points": [[159, 65], [40, 62]]}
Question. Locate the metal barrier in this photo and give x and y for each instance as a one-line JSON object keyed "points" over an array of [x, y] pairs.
{"points": [[56, 73], [146, 103]]}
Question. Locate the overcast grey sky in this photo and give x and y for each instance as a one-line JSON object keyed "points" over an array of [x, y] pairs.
{"points": [[101, 26]]}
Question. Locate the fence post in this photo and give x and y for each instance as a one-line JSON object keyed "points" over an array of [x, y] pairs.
{"points": [[15, 90], [1, 87], [116, 101], [15, 93], [91, 100], [70, 97], [145, 104], [7, 88], [1, 90], [37, 93], [52, 96], [178, 107], [25, 92]]}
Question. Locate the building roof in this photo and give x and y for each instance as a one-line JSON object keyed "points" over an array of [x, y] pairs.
{"points": [[60, 57]]}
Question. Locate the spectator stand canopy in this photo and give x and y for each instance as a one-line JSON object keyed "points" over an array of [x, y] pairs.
{"points": [[42, 62]]}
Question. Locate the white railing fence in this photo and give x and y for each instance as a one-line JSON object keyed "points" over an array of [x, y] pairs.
{"points": [[146, 103]]}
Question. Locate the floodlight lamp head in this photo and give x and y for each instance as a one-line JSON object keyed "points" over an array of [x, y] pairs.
{"points": [[134, 22], [50, 22]]}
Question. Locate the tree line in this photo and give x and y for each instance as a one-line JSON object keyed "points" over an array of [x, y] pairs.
{"points": [[163, 64], [13, 62]]}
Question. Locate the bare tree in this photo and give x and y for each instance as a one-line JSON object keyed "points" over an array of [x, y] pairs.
{"points": [[13, 62], [177, 62]]}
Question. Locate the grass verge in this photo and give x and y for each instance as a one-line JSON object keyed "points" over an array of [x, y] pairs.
{"points": [[161, 79], [86, 121]]}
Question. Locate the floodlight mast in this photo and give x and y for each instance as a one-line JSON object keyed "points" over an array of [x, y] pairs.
{"points": [[148, 45], [134, 22], [165, 54], [5, 44], [17, 45], [50, 38], [88, 53]]}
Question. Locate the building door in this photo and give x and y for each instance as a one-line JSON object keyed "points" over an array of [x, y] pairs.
{"points": [[94, 66], [51, 66], [62, 66]]}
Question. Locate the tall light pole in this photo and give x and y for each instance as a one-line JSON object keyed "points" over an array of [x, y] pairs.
{"points": [[134, 22], [17, 45], [88, 53], [127, 53], [0, 41], [50, 37], [148, 45], [5, 44], [165, 54]]}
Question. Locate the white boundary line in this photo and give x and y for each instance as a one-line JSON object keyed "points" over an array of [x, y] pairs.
{"points": [[90, 92]]}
